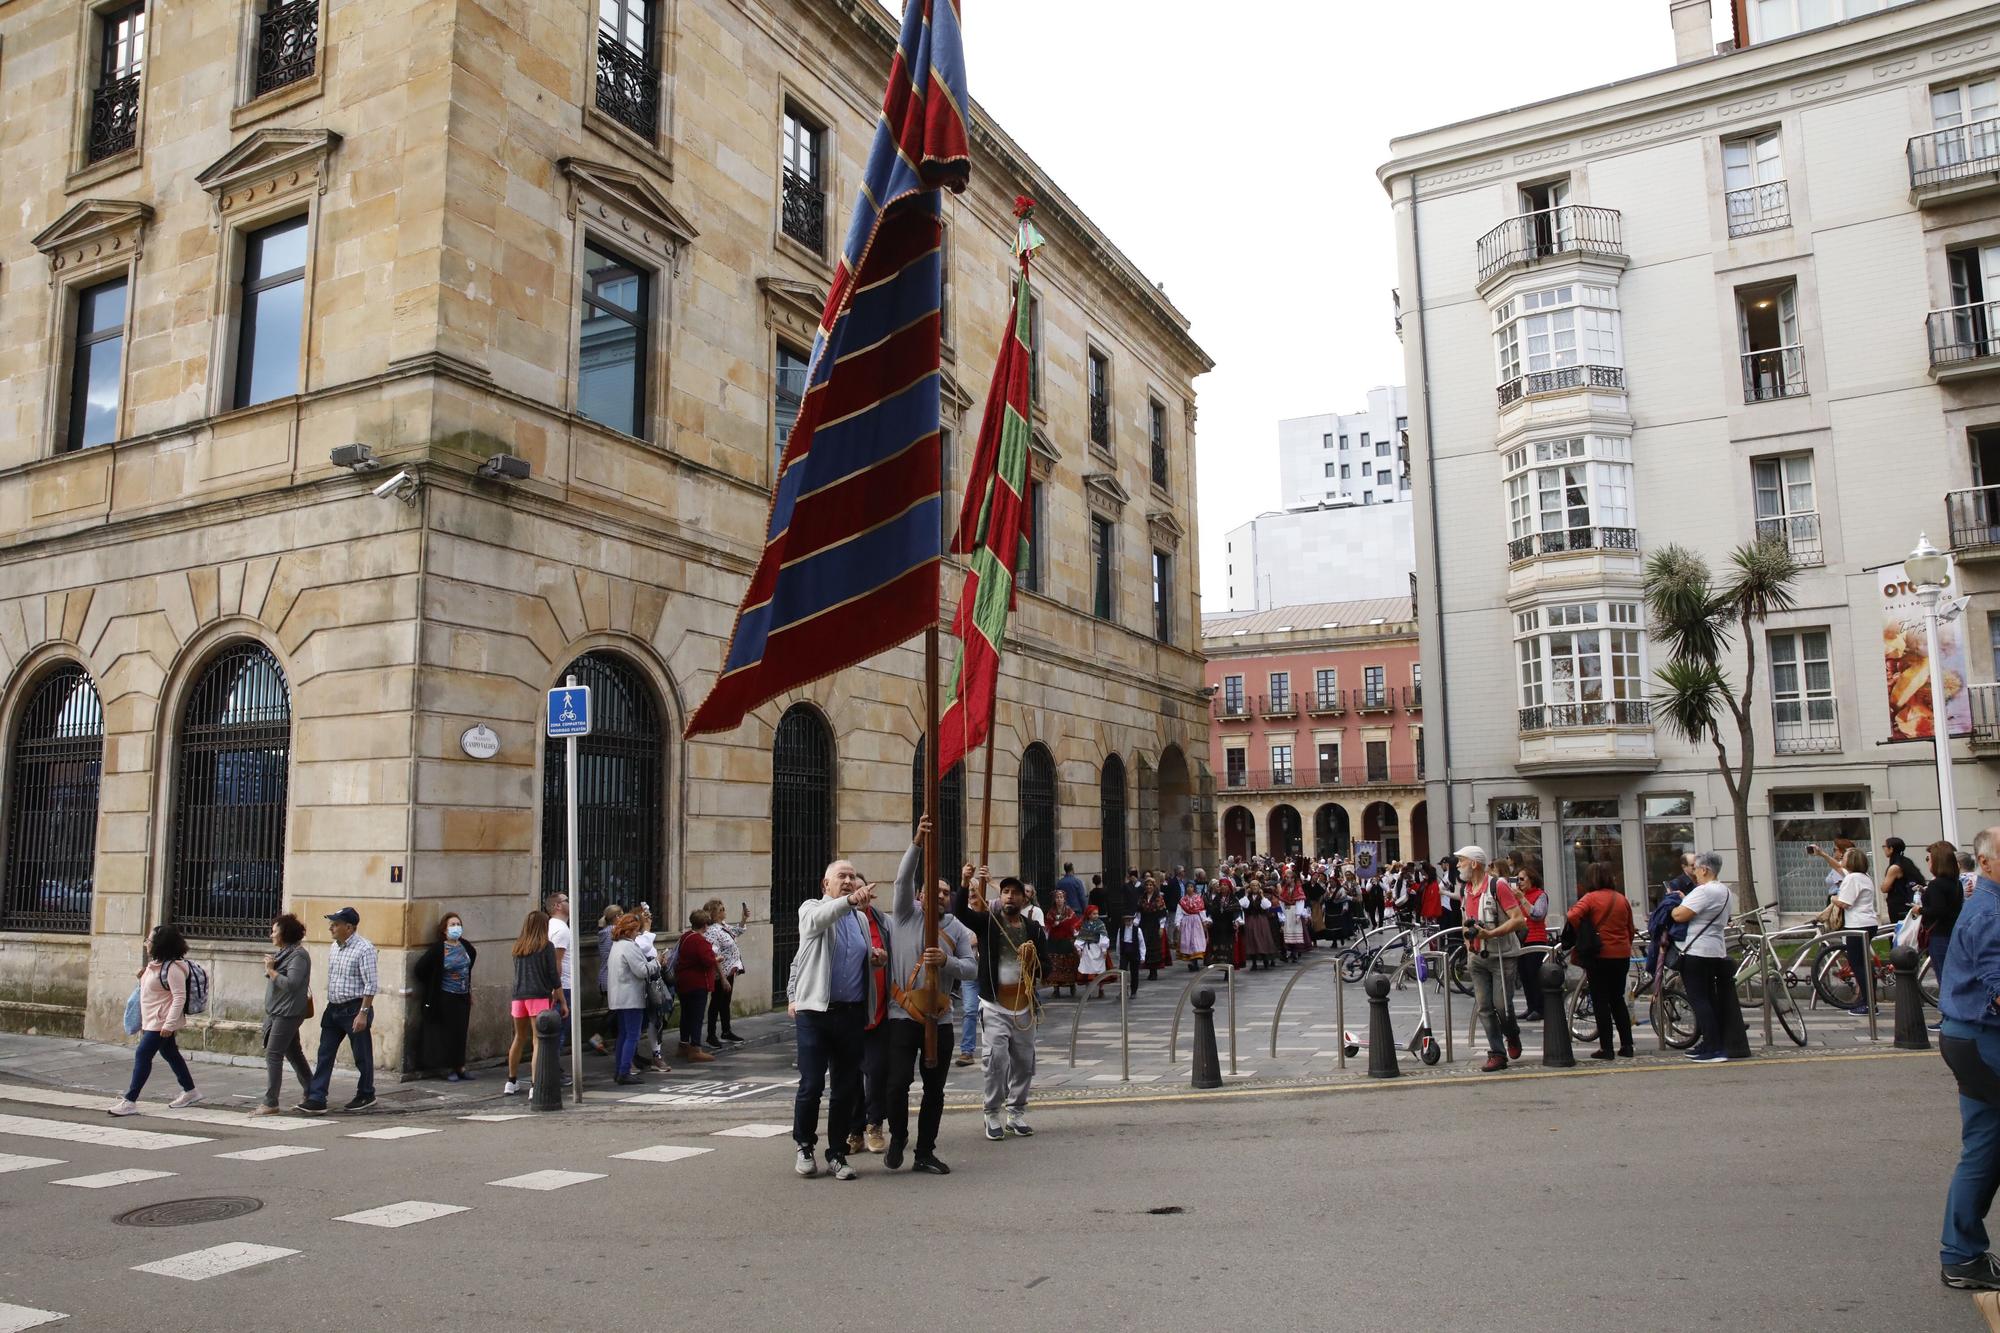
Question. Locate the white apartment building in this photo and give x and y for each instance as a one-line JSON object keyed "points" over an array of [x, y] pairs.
{"points": [[1338, 552], [1354, 456], [1742, 296]]}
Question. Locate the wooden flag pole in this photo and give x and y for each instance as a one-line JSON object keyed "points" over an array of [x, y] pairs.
{"points": [[986, 795], [928, 889]]}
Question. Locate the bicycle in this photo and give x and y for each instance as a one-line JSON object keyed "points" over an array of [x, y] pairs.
{"points": [[1833, 976], [1669, 1009], [1761, 960]]}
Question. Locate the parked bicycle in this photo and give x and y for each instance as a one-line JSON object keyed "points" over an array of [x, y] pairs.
{"points": [[1833, 976], [1761, 959], [1667, 1005]]}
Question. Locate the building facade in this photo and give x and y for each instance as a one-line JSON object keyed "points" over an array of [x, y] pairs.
{"points": [[1355, 456], [371, 368], [1736, 299], [1317, 739]]}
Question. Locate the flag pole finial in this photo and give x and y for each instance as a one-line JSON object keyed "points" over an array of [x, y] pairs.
{"points": [[1028, 237]]}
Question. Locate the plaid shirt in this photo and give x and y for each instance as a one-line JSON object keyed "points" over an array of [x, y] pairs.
{"points": [[350, 972]]}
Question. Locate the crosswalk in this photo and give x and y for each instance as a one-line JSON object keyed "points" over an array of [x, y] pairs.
{"points": [[18, 1128]]}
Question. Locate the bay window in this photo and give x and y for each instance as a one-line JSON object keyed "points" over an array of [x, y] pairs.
{"points": [[1581, 664], [1558, 338], [1572, 494]]}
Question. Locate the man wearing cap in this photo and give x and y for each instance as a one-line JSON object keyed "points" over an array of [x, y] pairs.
{"points": [[349, 1014], [1494, 917]]}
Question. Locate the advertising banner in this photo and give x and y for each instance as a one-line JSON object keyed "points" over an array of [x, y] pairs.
{"points": [[1908, 673]]}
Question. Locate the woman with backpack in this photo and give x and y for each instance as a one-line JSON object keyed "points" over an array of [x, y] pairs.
{"points": [[1600, 932], [163, 1012]]}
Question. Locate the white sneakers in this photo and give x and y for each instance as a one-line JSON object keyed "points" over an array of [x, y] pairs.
{"points": [[188, 1098], [806, 1165], [1017, 1123], [123, 1106], [511, 1088], [993, 1130]]}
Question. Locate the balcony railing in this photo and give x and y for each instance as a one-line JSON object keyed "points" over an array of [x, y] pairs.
{"points": [[1584, 716], [1774, 372], [1278, 705], [1100, 422], [1799, 533], [1985, 713], [1758, 208], [287, 44], [1236, 708], [1963, 333], [1973, 518], [1805, 726], [1562, 540], [628, 87], [1327, 703], [1533, 237], [1381, 700], [1321, 779], [1944, 156], [114, 118], [1413, 698], [1562, 380], [804, 218]]}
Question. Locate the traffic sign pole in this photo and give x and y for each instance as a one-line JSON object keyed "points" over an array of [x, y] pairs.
{"points": [[575, 930]]}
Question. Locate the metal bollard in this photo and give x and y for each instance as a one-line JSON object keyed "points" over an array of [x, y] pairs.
{"points": [[1911, 1034], [1381, 1032], [545, 1074], [1207, 1060], [1557, 1053]]}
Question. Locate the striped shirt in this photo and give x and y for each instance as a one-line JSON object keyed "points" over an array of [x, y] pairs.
{"points": [[350, 972]]}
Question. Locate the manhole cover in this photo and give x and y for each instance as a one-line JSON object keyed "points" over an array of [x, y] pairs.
{"points": [[187, 1212]]}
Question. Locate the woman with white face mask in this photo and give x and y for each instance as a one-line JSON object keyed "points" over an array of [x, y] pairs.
{"points": [[444, 972]]}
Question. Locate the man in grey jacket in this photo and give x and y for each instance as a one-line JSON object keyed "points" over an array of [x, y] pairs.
{"points": [[955, 962], [829, 991]]}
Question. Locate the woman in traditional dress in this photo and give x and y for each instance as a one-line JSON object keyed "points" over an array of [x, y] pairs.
{"points": [[1297, 925], [1225, 916], [1260, 940], [1093, 941], [1191, 927], [1063, 926], [1152, 921]]}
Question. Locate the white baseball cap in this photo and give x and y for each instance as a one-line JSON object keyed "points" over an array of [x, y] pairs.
{"points": [[1472, 851]]}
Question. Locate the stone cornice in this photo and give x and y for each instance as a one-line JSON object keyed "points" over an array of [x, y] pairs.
{"points": [[91, 228], [275, 160]]}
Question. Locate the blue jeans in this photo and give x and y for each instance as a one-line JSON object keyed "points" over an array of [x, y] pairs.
{"points": [[629, 1023], [968, 1033], [828, 1043], [336, 1024], [1973, 1184], [168, 1049]]}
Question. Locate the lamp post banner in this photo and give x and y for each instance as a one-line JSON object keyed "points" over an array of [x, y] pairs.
{"points": [[1908, 673]]}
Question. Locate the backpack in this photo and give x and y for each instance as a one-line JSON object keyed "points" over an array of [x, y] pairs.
{"points": [[197, 986], [1586, 945]]}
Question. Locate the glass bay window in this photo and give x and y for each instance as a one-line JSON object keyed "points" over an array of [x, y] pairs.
{"points": [[1572, 494], [1581, 664]]}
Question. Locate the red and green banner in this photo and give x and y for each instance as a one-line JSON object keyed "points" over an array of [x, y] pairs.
{"points": [[994, 528]]}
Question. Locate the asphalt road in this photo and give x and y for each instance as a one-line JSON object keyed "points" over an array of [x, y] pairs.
{"points": [[1631, 1199]]}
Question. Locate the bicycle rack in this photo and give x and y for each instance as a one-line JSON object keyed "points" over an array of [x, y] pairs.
{"points": [[1339, 1007], [1174, 1033], [1124, 1021]]}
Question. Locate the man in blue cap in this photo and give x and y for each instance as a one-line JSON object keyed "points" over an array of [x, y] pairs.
{"points": [[349, 1014]]}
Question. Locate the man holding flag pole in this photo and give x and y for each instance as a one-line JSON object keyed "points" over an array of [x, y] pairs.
{"points": [[851, 553]]}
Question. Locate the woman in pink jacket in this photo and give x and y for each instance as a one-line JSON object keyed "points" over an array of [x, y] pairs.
{"points": [[163, 995]]}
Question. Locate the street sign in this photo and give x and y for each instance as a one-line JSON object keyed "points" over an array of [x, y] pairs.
{"points": [[569, 710]]}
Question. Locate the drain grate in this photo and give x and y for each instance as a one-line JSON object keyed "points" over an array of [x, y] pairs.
{"points": [[188, 1212]]}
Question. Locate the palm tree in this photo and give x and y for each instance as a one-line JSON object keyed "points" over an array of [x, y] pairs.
{"points": [[1699, 623]]}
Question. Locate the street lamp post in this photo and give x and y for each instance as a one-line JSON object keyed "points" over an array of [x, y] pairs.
{"points": [[1929, 571]]}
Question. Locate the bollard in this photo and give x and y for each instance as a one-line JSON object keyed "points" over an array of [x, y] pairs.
{"points": [[1207, 1061], [1381, 1032], [1911, 1034], [1557, 1052], [545, 1073]]}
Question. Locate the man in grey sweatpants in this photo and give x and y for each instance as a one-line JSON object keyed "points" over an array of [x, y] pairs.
{"points": [[1011, 953]]}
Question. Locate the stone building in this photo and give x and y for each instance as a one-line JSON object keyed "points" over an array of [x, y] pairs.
{"points": [[1737, 298], [1318, 737], [367, 369]]}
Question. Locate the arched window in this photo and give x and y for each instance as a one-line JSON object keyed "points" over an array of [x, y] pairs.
{"points": [[1111, 816], [951, 812], [232, 778], [1330, 831], [801, 829], [52, 804], [1285, 841], [1378, 824], [620, 811], [1239, 832], [1035, 795]]}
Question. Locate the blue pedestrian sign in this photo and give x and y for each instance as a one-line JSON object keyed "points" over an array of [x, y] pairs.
{"points": [[569, 711]]}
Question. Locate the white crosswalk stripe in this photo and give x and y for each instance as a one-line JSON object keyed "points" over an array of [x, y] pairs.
{"points": [[394, 1132], [131, 1175], [665, 1152], [12, 1162], [200, 1115], [19, 1318], [752, 1132], [402, 1214], [267, 1154], [104, 1136], [494, 1119], [547, 1180], [201, 1265]]}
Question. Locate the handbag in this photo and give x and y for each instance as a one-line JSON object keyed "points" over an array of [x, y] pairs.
{"points": [[132, 1018], [1586, 945], [659, 994]]}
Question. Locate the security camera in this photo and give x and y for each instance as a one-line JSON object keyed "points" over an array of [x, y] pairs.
{"points": [[355, 458], [1210, 691], [403, 486], [505, 467]]}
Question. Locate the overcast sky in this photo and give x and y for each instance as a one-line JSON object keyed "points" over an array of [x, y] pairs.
{"points": [[1230, 151]]}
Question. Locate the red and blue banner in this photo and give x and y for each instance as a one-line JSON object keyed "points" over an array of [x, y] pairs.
{"points": [[851, 552]]}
